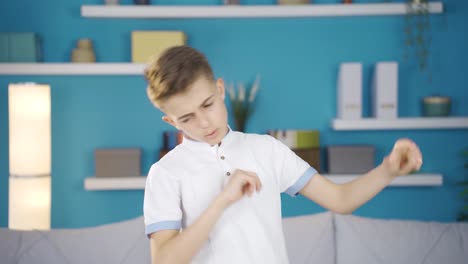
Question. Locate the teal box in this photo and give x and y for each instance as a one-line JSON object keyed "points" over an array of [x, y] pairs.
{"points": [[4, 51], [20, 47]]}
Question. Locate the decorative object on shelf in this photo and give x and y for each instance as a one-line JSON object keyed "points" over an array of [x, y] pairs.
{"points": [[347, 1], [436, 106], [418, 32], [293, 2], [232, 2], [171, 139], [242, 102], [20, 47], [305, 143], [83, 52], [111, 2], [463, 215], [311, 156], [150, 44], [350, 159], [141, 2], [385, 90], [29, 119], [117, 162], [349, 86], [297, 139]]}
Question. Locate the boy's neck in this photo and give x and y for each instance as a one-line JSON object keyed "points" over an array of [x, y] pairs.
{"points": [[219, 143]]}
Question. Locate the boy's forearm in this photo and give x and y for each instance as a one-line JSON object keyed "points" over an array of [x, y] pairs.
{"points": [[362, 189], [186, 244]]}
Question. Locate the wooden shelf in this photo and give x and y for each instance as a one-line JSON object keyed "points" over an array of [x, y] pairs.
{"points": [[71, 69], [138, 182], [252, 11], [401, 123]]}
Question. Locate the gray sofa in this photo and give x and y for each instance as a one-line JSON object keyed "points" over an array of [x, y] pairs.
{"points": [[324, 238]]}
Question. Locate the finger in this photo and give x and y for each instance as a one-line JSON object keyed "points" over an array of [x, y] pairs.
{"points": [[245, 189], [250, 185], [411, 165], [396, 157], [417, 154], [258, 183]]}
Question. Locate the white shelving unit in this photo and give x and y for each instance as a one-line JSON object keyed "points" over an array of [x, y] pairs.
{"points": [[401, 123], [246, 11], [71, 69], [116, 183], [138, 182], [415, 180]]}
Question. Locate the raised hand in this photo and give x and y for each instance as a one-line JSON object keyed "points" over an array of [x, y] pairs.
{"points": [[404, 158]]}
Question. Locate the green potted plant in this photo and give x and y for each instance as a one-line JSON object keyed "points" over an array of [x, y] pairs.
{"points": [[418, 32], [242, 102], [463, 215]]}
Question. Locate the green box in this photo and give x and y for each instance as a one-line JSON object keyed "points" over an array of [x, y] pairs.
{"points": [[4, 50], [308, 139], [20, 47], [25, 47]]}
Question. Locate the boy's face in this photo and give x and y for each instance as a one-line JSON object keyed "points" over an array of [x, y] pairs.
{"points": [[199, 112]]}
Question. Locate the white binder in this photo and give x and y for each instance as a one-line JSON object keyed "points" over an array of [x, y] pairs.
{"points": [[349, 91], [385, 90]]}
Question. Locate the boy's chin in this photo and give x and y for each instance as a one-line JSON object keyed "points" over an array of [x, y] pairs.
{"points": [[212, 142]]}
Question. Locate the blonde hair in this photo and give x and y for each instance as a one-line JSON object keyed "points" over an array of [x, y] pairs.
{"points": [[174, 71]]}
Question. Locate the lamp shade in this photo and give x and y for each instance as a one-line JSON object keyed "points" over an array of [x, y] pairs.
{"points": [[29, 129], [29, 121], [29, 203]]}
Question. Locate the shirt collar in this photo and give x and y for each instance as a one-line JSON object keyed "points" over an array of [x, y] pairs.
{"points": [[200, 144]]}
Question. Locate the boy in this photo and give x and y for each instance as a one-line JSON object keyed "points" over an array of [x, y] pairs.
{"points": [[222, 187]]}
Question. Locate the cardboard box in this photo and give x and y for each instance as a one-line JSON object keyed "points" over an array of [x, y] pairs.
{"points": [[349, 91], [385, 90], [350, 159], [20, 47], [310, 155], [151, 44], [117, 162]]}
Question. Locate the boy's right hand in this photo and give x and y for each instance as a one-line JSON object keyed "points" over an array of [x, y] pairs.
{"points": [[241, 183]]}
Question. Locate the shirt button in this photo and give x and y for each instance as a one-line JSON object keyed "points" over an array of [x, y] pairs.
{"points": [[228, 173], [222, 157]]}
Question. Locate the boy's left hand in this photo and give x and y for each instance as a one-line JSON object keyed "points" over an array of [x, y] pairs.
{"points": [[404, 158]]}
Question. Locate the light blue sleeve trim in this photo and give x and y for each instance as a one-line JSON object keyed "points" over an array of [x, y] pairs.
{"points": [[164, 225], [301, 182]]}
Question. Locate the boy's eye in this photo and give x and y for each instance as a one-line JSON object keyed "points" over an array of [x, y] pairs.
{"points": [[208, 105], [185, 120]]}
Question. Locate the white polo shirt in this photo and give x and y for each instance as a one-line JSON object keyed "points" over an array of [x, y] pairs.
{"points": [[185, 181]]}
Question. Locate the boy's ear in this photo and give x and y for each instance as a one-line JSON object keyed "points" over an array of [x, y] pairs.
{"points": [[220, 87], [169, 121]]}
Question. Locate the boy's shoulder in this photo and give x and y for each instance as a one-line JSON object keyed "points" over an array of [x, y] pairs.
{"points": [[256, 138], [173, 155]]}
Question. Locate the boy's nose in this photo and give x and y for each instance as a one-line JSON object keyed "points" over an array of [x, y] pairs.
{"points": [[204, 122]]}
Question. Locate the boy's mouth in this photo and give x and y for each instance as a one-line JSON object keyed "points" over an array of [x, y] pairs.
{"points": [[211, 134]]}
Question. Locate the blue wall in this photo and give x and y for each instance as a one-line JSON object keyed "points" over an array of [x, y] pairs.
{"points": [[298, 61]]}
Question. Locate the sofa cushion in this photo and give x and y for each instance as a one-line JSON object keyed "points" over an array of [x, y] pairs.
{"points": [[121, 242], [366, 240], [310, 238], [9, 244]]}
